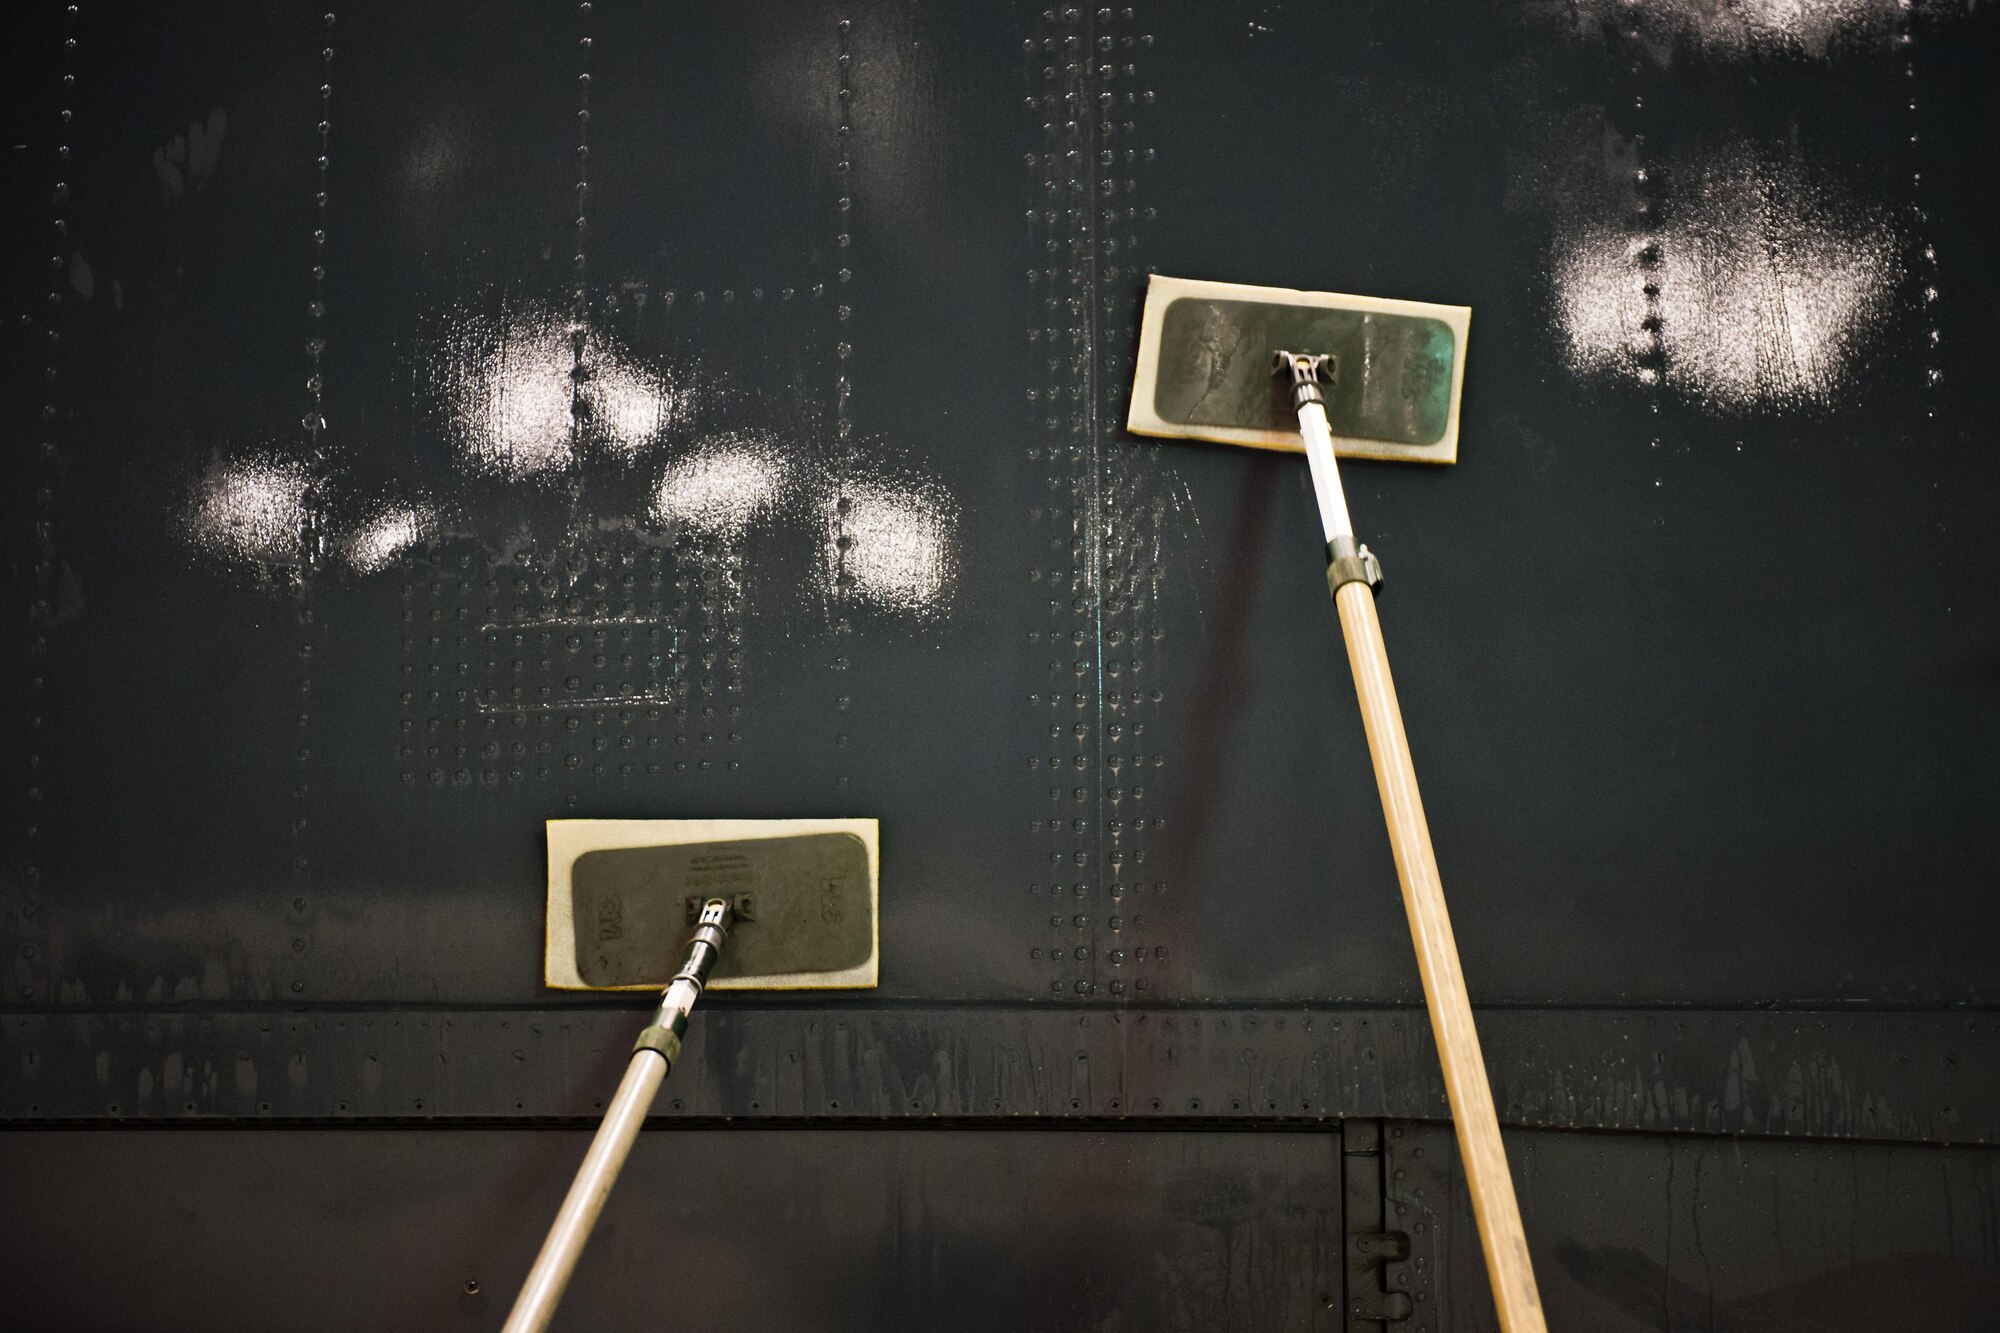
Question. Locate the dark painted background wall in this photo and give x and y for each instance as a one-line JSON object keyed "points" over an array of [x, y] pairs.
{"points": [[423, 421]]}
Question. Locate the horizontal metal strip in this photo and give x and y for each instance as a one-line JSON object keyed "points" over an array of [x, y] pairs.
{"points": [[1918, 1077]]}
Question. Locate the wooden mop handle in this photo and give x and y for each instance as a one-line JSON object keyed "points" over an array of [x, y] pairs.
{"points": [[1477, 1125], [1353, 573]]}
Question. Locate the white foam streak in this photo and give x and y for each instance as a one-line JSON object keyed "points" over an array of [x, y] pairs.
{"points": [[1600, 300], [719, 490], [1768, 280], [377, 543], [522, 402], [901, 551], [252, 511], [1735, 29]]}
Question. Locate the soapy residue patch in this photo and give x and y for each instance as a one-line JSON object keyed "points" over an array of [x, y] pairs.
{"points": [[1731, 29], [1600, 298], [524, 394], [379, 540], [1767, 278], [522, 398], [628, 407], [900, 550], [252, 511], [722, 486]]}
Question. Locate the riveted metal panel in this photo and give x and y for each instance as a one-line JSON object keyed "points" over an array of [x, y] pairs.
{"points": [[1633, 1233], [422, 422], [837, 1229], [1884, 1077], [672, 414]]}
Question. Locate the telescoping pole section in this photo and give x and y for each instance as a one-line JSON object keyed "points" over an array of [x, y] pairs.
{"points": [[652, 1056], [1353, 574]]}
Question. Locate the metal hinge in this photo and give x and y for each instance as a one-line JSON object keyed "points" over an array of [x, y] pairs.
{"points": [[1369, 1250], [1387, 1306]]}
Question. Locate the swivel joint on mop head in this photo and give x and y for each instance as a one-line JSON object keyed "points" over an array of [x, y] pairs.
{"points": [[704, 945], [1306, 373], [705, 941]]}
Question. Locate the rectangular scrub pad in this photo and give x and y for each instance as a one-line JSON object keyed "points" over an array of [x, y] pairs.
{"points": [[804, 890], [1204, 368]]}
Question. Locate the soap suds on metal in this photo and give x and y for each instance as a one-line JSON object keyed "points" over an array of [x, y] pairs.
{"points": [[901, 553], [252, 511], [722, 486], [521, 402], [385, 536], [1738, 29], [1767, 279]]}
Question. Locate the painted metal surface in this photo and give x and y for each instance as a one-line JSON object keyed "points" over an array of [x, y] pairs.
{"points": [[347, 561], [1736, 1237], [1906, 1077], [717, 1230], [421, 423], [1057, 1229]]}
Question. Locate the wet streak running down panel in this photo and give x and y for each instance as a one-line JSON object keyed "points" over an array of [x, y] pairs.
{"points": [[422, 423]]}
